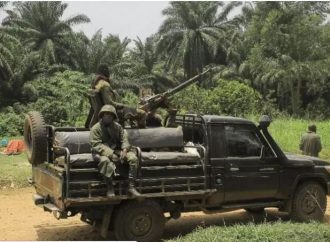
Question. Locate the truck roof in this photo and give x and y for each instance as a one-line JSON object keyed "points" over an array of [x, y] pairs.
{"points": [[225, 119]]}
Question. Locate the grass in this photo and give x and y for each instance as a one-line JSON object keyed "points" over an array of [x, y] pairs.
{"points": [[14, 171], [287, 133], [278, 231]]}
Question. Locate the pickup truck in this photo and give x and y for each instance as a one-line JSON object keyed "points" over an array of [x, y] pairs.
{"points": [[208, 163]]}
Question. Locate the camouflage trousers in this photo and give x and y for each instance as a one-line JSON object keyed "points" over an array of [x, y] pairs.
{"points": [[107, 166]]}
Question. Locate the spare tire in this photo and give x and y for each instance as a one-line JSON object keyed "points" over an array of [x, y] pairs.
{"points": [[35, 137]]}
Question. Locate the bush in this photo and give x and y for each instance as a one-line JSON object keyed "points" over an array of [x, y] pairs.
{"points": [[227, 98], [62, 98], [317, 109], [11, 123]]}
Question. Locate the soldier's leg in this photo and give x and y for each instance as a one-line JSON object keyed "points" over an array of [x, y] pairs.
{"points": [[107, 168], [132, 161]]}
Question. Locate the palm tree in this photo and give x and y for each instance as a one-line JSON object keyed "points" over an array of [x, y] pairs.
{"points": [[7, 43], [193, 33], [148, 67], [41, 29]]}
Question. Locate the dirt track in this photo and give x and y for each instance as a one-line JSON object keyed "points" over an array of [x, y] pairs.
{"points": [[21, 220]]}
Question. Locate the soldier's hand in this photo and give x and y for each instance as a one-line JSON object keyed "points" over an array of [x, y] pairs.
{"points": [[123, 154], [115, 157]]}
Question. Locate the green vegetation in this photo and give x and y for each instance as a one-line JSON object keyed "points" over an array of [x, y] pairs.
{"points": [[270, 57], [287, 133], [278, 231], [14, 171], [225, 98]]}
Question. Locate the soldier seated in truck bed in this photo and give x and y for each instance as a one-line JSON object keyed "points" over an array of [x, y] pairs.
{"points": [[110, 146], [159, 151]]}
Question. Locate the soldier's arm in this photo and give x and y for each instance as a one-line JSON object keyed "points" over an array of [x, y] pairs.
{"points": [[106, 94], [97, 145], [125, 145]]}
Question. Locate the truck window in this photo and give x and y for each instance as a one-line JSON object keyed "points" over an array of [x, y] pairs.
{"points": [[242, 141], [217, 145]]}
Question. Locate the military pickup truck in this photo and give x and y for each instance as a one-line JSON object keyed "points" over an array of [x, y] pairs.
{"points": [[208, 163]]}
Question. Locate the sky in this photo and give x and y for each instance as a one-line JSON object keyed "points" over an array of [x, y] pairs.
{"points": [[125, 18]]}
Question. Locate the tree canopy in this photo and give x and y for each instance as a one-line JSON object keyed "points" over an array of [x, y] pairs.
{"points": [[279, 50]]}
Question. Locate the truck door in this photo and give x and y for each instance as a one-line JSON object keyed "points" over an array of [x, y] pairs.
{"points": [[216, 163], [248, 175]]}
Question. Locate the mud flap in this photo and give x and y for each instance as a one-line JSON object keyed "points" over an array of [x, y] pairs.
{"points": [[106, 222]]}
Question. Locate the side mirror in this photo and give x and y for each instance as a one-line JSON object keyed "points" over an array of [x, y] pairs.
{"points": [[264, 121]]}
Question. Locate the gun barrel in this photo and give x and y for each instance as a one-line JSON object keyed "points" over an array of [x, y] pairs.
{"points": [[185, 84], [158, 99]]}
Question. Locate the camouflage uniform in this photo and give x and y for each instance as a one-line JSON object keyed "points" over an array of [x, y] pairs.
{"points": [[108, 97], [310, 144], [108, 142]]}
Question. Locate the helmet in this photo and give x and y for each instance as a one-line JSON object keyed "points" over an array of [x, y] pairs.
{"points": [[108, 109]]}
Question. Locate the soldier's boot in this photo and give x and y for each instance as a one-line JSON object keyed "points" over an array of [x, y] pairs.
{"points": [[131, 182], [110, 189]]}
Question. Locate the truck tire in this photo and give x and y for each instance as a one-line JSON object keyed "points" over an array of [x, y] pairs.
{"points": [[141, 221], [309, 202], [35, 138]]}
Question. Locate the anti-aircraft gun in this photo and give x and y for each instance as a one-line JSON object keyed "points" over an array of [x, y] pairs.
{"points": [[147, 104], [161, 100]]}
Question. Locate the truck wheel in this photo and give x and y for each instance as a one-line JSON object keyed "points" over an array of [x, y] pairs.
{"points": [[309, 202], [255, 210], [35, 137], [140, 221]]}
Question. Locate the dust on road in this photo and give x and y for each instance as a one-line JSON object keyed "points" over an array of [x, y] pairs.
{"points": [[22, 220]]}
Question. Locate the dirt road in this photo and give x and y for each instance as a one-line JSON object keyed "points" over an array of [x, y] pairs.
{"points": [[22, 220]]}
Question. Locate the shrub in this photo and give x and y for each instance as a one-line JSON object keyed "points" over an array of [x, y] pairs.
{"points": [[227, 98], [11, 123], [62, 98]]}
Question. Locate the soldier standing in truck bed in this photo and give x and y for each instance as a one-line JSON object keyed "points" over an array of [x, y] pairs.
{"points": [[110, 146], [102, 85]]}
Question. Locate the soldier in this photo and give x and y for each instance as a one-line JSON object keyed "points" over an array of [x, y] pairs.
{"points": [[109, 146], [102, 85], [310, 143]]}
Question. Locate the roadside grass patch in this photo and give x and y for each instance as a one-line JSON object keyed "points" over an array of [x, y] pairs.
{"points": [[287, 133], [278, 231], [14, 171]]}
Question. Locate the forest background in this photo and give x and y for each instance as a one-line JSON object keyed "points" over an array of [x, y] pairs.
{"points": [[270, 58]]}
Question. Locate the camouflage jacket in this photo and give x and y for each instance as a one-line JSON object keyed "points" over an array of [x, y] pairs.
{"points": [[310, 144], [105, 140], [107, 93]]}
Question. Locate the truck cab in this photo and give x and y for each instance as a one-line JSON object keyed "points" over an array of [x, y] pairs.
{"points": [[208, 163]]}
